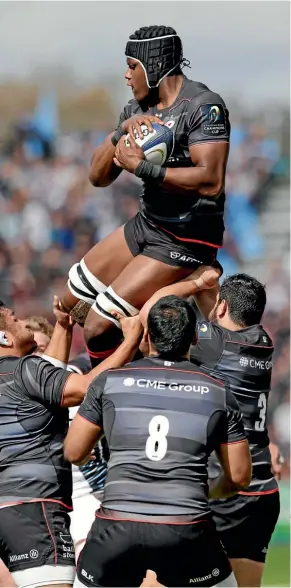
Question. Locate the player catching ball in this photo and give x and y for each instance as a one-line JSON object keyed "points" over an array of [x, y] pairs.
{"points": [[179, 227]]}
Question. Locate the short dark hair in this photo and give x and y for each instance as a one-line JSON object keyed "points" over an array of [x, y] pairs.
{"points": [[245, 297], [171, 326]]}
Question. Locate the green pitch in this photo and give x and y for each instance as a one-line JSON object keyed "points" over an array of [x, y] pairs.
{"points": [[277, 569]]}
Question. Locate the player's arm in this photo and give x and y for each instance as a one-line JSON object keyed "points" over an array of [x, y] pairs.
{"points": [[87, 426], [77, 385], [233, 452], [205, 277], [54, 386], [58, 349], [208, 143], [276, 459], [103, 170], [207, 177]]}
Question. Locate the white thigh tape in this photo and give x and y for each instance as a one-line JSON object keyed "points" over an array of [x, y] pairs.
{"points": [[99, 286], [109, 302], [83, 284]]}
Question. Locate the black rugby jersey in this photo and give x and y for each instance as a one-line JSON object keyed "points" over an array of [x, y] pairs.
{"points": [[198, 115], [161, 420], [33, 427], [244, 357], [90, 477]]}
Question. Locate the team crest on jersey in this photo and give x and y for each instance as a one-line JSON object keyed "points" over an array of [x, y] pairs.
{"points": [[203, 330], [213, 120]]}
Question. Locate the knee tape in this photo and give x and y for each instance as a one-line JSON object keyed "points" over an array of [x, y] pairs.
{"points": [[83, 284], [108, 302]]}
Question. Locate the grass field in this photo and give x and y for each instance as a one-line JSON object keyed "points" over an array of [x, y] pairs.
{"points": [[277, 570]]}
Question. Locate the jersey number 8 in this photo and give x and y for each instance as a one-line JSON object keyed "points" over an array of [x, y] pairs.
{"points": [[157, 444]]}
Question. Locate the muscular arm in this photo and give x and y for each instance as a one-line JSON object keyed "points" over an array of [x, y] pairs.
{"points": [[233, 452], [208, 175], [103, 170], [236, 462], [203, 278], [77, 385], [60, 344]]}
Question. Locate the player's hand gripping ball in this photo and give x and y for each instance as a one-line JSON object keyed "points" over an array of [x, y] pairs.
{"points": [[157, 144], [156, 147]]}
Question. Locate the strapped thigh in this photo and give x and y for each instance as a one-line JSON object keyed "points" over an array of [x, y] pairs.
{"points": [[83, 284], [108, 302]]}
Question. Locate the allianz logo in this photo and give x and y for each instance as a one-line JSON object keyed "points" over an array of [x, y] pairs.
{"points": [[160, 385]]}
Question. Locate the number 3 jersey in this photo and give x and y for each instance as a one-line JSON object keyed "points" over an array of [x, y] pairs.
{"points": [[162, 420], [244, 357]]}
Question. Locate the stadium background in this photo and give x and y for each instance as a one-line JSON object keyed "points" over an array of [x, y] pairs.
{"points": [[61, 90]]}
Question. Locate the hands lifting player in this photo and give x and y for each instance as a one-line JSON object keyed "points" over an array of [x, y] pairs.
{"points": [[179, 228]]}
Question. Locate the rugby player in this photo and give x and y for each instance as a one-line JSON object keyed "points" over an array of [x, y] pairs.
{"points": [[88, 479], [36, 481], [237, 345], [179, 227], [162, 419]]}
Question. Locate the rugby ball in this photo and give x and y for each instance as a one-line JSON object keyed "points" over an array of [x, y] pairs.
{"points": [[157, 145]]}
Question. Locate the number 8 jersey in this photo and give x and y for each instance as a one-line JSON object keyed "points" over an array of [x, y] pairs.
{"points": [[244, 357], [161, 420]]}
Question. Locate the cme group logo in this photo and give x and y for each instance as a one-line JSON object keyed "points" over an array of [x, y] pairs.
{"points": [[244, 362], [128, 382]]}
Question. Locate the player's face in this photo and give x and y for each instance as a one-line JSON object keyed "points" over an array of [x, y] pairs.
{"points": [[42, 340], [136, 79], [218, 312], [19, 331]]}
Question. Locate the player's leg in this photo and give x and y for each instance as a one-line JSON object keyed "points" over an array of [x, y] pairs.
{"points": [[248, 573], [126, 295], [36, 545], [6, 580], [97, 270], [250, 522]]}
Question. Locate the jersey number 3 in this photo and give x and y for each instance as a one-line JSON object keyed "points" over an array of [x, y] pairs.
{"points": [[262, 404], [157, 444]]}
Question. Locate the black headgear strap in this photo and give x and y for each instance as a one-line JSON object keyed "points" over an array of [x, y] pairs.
{"points": [[158, 56]]}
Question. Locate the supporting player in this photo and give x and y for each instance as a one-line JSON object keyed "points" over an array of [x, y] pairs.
{"points": [[36, 481], [162, 419], [88, 479], [237, 345], [180, 224]]}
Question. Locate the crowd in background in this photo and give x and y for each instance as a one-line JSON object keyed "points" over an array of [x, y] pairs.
{"points": [[50, 216]]}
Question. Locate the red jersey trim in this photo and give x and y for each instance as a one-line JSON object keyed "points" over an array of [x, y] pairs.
{"points": [[248, 345], [190, 240], [152, 522], [260, 493], [51, 535], [36, 500]]}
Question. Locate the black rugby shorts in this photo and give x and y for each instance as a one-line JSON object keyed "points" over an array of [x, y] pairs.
{"points": [[118, 553], [246, 523], [35, 534], [145, 238]]}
